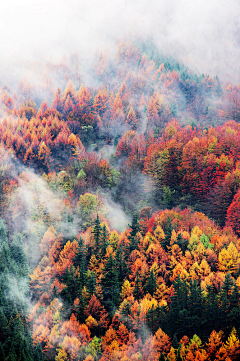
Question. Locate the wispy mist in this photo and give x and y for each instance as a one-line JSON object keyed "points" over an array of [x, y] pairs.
{"points": [[204, 34]]}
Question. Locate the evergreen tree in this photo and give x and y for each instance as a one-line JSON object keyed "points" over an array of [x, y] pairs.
{"points": [[195, 308], [71, 280], [2, 354], [104, 240], [234, 311], [211, 310], [97, 232], [110, 284], [155, 318], [135, 228], [80, 261], [80, 309], [151, 284], [121, 264], [91, 283], [19, 256], [4, 328], [137, 292], [168, 234], [38, 354], [227, 286], [175, 341], [162, 357]]}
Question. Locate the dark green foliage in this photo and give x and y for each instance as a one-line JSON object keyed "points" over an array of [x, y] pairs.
{"points": [[38, 354], [97, 235], [80, 309], [18, 254], [151, 284], [2, 354], [81, 262], [175, 341], [15, 338], [110, 284], [91, 283], [104, 240], [137, 292], [193, 312], [162, 357], [71, 279], [153, 317], [182, 243], [168, 233], [121, 264], [135, 228]]}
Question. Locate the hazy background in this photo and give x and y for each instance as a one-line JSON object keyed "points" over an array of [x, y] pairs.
{"points": [[202, 33]]}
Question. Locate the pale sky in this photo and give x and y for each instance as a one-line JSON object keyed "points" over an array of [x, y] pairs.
{"points": [[204, 34]]}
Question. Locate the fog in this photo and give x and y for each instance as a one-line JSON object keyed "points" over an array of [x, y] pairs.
{"points": [[203, 34]]}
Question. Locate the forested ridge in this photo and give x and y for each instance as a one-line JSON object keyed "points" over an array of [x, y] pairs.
{"points": [[120, 206]]}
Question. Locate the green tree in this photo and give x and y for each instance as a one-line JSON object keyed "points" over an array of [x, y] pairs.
{"points": [[121, 264], [135, 228], [104, 240], [38, 354], [110, 284], [151, 284], [162, 357], [137, 292], [97, 232]]}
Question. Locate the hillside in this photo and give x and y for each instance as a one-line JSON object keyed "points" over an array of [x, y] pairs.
{"points": [[119, 206]]}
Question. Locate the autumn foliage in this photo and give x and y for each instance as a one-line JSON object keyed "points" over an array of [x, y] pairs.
{"points": [[153, 150]]}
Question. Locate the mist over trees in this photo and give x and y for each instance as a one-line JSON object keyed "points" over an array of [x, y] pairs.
{"points": [[119, 206]]}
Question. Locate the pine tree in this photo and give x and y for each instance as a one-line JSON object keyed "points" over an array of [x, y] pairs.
{"points": [[211, 310], [80, 261], [2, 354], [168, 233], [135, 228], [121, 264], [38, 354], [91, 283], [4, 328], [162, 357], [137, 292], [97, 232], [195, 308], [104, 240], [175, 341], [110, 283], [151, 284], [227, 286]]}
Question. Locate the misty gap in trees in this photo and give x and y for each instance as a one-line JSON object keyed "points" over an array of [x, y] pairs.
{"points": [[120, 205]]}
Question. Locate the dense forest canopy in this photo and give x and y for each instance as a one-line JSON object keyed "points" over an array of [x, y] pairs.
{"points": [[120, 206]]}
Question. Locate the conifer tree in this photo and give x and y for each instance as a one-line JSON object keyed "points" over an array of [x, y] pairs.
{"points": [[97, 232], [175, 341], [104, 240], [151, 284], [38, 355], [121, 264], [137, 292], [162, 357], [110, 283], [2, 354], [91, 283], [135, 228]]}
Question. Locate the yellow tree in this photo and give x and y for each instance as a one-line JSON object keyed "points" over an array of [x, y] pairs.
{"points": [[228, 259]]}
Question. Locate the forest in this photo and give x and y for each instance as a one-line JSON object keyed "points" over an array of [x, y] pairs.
{"points": [[120, 211]]}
